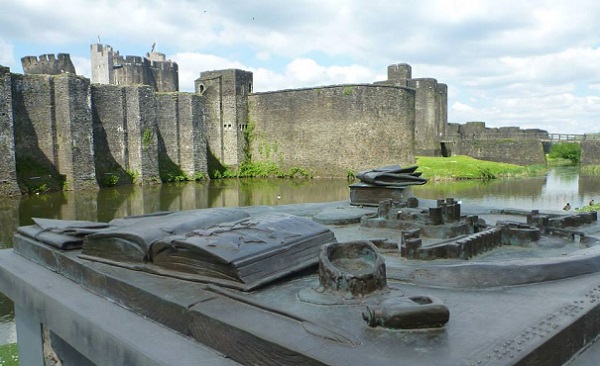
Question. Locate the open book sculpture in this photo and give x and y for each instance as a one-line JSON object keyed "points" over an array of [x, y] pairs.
{"points": [[224, 246]]}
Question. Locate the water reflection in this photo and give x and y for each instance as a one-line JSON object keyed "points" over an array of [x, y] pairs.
{"points": [[108, 203], [549, 192]]}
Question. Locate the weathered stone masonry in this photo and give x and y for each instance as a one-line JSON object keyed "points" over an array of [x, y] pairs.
{"points": [[334, 129], [58, 132], [137, 130], [84, 135], [52, 129], [505, 144], [8, 165]]}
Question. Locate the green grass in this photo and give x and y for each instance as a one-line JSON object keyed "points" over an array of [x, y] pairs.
{"points": [[588, 208], [9, 355], [464, 167]]}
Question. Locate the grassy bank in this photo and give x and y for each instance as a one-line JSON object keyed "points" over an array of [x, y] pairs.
{"points": [[464, 167], [9, 355]]}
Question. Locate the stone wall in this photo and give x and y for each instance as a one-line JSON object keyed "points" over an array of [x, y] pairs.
{"points": [[109, 67], [142, 129], [8, 165], [478, 130], [48, 64], [504, 145], [75, 156], [429, 98], [226, 94], [590, 152], [182, 134], [53, 132], [431, 107], [111, 152], [333, 130], [519, 152], [34, 131]]}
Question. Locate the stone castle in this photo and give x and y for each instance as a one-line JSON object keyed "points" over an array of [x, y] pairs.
{"points": [[130, 124], [109, 67]]}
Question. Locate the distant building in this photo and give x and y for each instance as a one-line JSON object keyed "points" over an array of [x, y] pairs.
{"points": [[109, 67]]}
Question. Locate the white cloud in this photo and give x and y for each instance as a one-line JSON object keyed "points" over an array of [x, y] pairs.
{"points": [[82, 66], [461, 108], [6, 54]]}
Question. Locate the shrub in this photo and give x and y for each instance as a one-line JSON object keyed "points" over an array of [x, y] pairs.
{"points": [[566, 150]]}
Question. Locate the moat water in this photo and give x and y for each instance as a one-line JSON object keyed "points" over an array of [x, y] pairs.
{"points": [[549, 192]]}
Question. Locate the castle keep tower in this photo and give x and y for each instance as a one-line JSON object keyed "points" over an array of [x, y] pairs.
{"points": [[226, 93], [109, 67]]}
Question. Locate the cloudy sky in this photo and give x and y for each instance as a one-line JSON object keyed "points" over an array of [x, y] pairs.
{"points": [[533, 64]]}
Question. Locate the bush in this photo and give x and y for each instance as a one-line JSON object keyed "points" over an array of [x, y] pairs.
{"points": [[566, 150]]}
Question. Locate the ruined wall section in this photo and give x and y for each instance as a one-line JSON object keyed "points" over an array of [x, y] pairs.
{"points": [[335, 129], [478, 131], [519, 152], [226, 93], [8, 165], [74, 142], [48, 64], [505, 144]]}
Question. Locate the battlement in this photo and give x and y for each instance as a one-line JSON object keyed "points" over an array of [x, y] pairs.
{"points": [[103, 49], [136, 60], [48, 64]]}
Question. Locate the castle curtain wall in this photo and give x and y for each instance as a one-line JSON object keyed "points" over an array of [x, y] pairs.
{"points": [[53, 132], [8, 165], [75, 156], [333, 130], [142, 140], [110, 133], [182, 136], [192, 137]]}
